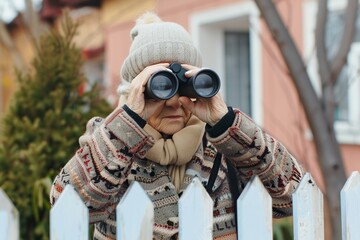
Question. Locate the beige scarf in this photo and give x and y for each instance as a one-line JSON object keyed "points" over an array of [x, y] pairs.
{"points": [[178, 150]]}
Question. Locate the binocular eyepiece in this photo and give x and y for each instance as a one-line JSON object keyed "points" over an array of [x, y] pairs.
{"points": [[164, 85]]}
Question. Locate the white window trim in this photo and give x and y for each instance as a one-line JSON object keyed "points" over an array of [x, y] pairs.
{"points": [[199, 29], [347, 132]]}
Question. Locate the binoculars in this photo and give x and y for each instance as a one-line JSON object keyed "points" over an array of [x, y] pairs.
{"points": [[164, 84]]}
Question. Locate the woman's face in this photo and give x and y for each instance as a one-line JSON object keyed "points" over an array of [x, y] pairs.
{"points": [[170, 117]]}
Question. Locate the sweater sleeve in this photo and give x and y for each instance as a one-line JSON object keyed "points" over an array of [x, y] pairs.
{"points": [[101, 165], [254, 152]]}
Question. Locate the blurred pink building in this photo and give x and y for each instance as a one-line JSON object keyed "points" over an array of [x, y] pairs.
{"points": [[235, 42]]}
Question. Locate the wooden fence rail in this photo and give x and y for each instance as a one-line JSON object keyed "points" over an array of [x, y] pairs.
{"points": [[69, 217]]}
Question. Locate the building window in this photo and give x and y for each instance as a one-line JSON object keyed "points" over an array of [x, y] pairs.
{"points": [[333, 35], [347, 89], [342, 96], [237, 70], [223, 36]]}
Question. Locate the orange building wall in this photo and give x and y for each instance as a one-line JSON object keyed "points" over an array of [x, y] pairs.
{"points": [[24, 45], [282, 110], [351, 155], [117, 39], [6, 77], [119, 17]]}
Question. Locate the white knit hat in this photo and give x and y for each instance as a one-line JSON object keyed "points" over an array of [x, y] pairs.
{"points": [[155, 41]]}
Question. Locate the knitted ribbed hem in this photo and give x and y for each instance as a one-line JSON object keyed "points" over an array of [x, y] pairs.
{"points": [[139, 120], [221, 126], [159, 52]]}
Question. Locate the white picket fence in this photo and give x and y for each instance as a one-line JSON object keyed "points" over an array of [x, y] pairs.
{"points": [[69, 217]]}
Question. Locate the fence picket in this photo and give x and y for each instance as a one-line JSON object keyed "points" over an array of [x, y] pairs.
{"points": [[195, 213], [135, 215], [69, 218], [254, 212], [308, 210], [350, 208], [9, 218]]}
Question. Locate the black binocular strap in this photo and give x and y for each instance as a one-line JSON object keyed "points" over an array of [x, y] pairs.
{"points": [[234, 185], [232, 177], [233, 180], [213, 173]]}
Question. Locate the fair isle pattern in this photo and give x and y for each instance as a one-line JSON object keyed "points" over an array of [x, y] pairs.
{"points": [[111, 156], [231, 236], [155, 180], [256, 153]]}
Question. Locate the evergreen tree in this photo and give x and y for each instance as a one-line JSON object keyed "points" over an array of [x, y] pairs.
{"points": [[40, 131]]}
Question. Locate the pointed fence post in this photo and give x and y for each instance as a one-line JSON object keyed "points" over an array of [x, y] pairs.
{"points": [[254, 212], [308, 210], [135, 215], [350, 207], [69, 217], [195, 213], [9, 218]]}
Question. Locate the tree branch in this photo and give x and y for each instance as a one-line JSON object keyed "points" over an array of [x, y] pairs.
{"points": [[327, 147], [294, 63], [321, 53], [339, 60]]}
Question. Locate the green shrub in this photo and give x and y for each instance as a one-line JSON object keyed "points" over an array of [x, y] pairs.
{"points": [[40, 130], [283, 229]]}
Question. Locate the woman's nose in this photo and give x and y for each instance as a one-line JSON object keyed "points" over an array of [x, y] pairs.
{"points": [[173, 102]]}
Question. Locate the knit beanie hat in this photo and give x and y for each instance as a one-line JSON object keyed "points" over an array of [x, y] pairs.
{"points": [[155, 41]]}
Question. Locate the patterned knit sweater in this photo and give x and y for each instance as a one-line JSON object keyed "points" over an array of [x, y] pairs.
{"points": [[112, 155]]}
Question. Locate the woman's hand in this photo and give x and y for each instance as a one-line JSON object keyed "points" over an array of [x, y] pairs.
{"points": [[209, 110], [136, 100]]}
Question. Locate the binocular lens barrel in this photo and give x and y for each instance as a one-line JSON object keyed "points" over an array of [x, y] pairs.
{"points": [[164, 85], [206, 83]]}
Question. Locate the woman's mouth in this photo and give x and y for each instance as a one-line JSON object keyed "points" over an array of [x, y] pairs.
{"points": [[173, 117]]}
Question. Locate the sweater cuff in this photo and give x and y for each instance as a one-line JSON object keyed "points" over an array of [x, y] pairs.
{"points": [[134, 116], [221, 126]]}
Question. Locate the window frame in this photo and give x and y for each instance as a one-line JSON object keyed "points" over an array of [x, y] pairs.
{"points": [[348, 132], [208, 28]]}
